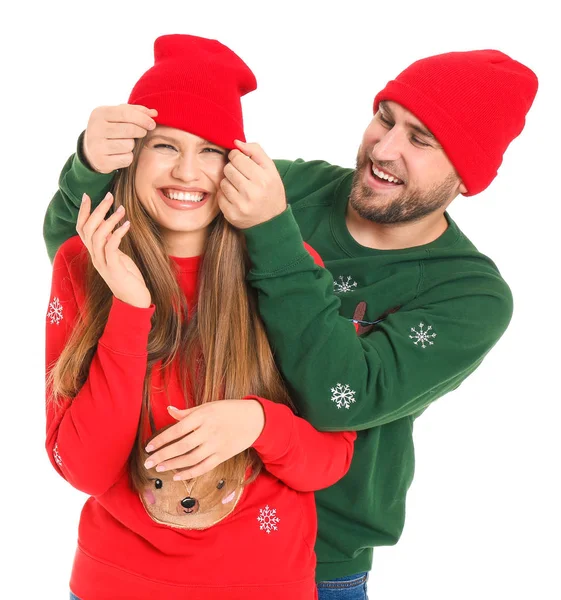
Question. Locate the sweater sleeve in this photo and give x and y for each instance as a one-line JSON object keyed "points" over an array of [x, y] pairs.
{"points": [[340, 380], [75, 179], [300, 456], [89, 437]]}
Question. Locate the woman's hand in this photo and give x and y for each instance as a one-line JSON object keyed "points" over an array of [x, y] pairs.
{"points": [[206, 436], [252, 191], [117, 269]]}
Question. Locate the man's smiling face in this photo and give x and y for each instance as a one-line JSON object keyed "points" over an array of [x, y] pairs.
{"points": [[402, 173]]}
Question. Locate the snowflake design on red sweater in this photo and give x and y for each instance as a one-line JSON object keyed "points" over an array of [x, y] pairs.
{"points": [[268, 519], [56, 456], [55, 312]]}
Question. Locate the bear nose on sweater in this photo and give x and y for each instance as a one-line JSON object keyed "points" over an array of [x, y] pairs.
{"points": [[188, 502]]}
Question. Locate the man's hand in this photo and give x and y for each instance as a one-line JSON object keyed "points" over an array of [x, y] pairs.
{"points": [[252, 191], [111, 132], [206, 436]]}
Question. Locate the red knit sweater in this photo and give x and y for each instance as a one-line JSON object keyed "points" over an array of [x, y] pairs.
{"points": [[262, 550]]}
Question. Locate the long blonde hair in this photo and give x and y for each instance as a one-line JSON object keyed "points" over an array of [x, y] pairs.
{"points": [[222, 347]]}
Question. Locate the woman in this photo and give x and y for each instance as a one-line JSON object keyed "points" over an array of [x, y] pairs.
{"points": [[151, 326]]}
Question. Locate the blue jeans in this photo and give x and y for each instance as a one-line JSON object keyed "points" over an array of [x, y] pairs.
{"points": [[352, 587], [73, 597]]}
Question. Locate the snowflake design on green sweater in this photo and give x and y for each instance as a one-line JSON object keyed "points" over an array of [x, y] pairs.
{"points": [[342, 285], [423, 336], [342, 395]]}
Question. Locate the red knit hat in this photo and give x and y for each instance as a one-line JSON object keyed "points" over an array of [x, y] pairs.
{"points": [[196, 85], [473, 102]]}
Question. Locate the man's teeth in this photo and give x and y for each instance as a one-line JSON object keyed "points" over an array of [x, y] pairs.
{"points": [[185, 196], [385, 176]]}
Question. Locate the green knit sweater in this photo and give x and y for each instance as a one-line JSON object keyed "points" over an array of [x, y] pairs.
{"points": [[426, 317]]}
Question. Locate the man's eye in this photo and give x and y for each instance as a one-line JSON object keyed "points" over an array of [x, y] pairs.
{"points": [[419, 142], [385, 121], [164, 146]]}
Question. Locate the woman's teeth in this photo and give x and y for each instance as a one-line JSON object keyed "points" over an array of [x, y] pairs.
{"points": [[385, 176], [185, 196]]}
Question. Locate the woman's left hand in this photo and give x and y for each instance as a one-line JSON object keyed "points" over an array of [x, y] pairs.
{"points": [[206, 436], [252, 191]]}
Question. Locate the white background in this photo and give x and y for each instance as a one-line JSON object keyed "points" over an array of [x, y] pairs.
{"points": [[483, 512]]}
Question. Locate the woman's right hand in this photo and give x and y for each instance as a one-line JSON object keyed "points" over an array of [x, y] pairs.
{"points": [[117, 269], [110, 135]]}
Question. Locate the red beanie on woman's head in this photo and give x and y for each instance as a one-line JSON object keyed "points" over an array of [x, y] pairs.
{"points": [[196, 85]]}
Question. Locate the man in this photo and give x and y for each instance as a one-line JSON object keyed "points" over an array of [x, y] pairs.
{"points": [[407, 307]]}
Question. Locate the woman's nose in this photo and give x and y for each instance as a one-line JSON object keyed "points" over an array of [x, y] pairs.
{"points": [[186, 168]]}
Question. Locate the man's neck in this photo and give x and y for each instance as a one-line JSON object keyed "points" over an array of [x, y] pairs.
{"points": [[395, 236]]}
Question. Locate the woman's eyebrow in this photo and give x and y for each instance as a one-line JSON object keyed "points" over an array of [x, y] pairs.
{"points": [[161, 136]]}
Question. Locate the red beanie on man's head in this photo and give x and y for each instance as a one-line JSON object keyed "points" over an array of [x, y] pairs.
{"points": [[475, 104], [196, 85]]}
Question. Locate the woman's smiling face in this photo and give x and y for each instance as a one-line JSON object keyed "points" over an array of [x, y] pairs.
{"points": [[177, 180]]}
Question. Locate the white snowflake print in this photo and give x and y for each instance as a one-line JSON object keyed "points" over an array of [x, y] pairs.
{"points": [[56, 455], [343, 396], [343, 285], [55, 312], [423, 336], [268, 519]]}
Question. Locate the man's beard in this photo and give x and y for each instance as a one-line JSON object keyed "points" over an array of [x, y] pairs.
{"points": [[406, 207]]}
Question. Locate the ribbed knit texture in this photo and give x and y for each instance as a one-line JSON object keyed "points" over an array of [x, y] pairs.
{"points": [[475, 104], [196, 85]]}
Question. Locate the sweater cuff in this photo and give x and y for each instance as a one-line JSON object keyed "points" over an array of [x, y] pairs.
{"points": [[274, 440], [275, 245], [81, 178], [127, 328]]}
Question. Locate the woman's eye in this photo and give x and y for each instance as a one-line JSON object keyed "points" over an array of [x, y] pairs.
{"points": [[164, 147], [214, 150], [221, 484], [158, 484]]}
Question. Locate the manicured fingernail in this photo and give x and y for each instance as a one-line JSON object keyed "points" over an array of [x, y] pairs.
{"points": [[126, 223], [173, 408], [83, 197], [121, 209], [160, 468], [149, 464], [177, 477], [149, 448]]}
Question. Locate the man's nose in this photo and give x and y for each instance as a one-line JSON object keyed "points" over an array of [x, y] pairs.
{"points": [[389, 147]]}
